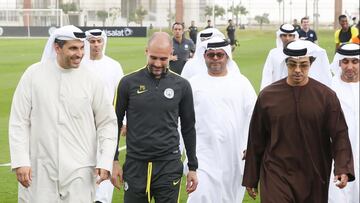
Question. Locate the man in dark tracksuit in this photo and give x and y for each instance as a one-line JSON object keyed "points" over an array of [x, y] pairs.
{"points": [[193, 30], [230, 30], [183, 49], [153, 99]]}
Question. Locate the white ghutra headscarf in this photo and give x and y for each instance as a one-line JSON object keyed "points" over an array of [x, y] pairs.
{"points": [[68, 32], [350, 50], [320, 68], [285, 29], [97, 33]]}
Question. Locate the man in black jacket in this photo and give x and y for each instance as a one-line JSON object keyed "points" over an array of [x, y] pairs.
{"points": [[153, 99], [230, 30]]}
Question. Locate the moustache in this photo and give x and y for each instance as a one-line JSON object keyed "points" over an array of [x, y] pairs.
{"points": [[158, 67], [76, 58]]}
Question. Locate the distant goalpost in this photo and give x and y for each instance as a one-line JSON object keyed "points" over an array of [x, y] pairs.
{"points": [[32, 17]]}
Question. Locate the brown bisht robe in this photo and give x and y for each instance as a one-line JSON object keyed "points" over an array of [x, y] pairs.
{"points": [[294, 134]]}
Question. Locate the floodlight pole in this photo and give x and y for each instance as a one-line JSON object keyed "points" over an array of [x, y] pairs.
{"points": [[290, 3], [233, 9], [170, 15], [337, 13], [58, 13], [283, 20], [213, 13]]}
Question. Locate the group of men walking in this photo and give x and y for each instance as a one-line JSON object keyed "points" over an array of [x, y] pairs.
{"points": [[286, 140]]}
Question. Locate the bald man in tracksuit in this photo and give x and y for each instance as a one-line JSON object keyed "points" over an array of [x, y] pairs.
{"points": [[153, 99]]}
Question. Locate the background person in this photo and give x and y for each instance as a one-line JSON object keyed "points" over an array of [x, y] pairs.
{"points": [[272, 70], [110, 73], [305, 32], [183, 49], [193, 30], [296, 25], [230, 30], [208, 24], [345, 33]]}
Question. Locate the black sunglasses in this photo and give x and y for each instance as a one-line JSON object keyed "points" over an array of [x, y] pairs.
{"points": [[212, 55]]}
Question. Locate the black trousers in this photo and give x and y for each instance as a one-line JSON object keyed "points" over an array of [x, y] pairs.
{"points": [[146, 180]]}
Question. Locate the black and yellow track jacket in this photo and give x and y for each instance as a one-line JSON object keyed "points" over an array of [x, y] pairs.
{"points": [[152, 108]]}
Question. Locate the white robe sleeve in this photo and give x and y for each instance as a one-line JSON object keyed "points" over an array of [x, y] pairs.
{"points": [[19, 123], [187, 70], [106, 128], [249, 103]]}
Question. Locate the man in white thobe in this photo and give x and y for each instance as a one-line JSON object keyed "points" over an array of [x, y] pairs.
{"points": [[110, 73], [272, 71], [275, 67], [346, 85], [59, 114], [196, 65], [223, 106]]}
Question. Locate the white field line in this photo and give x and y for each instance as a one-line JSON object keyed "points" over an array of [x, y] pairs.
{"points": [[7, 164], [120, 149]]}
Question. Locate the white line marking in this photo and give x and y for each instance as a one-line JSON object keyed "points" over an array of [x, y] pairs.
{"points": [[7, 164], [122, 148]]}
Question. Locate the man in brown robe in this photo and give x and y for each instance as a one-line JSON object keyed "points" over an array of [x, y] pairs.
{"points": [[296, 129]]}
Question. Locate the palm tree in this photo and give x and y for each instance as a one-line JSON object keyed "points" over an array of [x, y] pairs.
{"points": [[68, 7], [262, 19], [279, 1], [208, 11], [238, 11], [140, 14], [102, 15], [114, 14], [170, 18], [219, 11]]}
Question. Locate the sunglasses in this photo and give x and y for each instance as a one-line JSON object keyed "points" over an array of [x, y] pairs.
{"points": [[212, 55], [292, 65]]}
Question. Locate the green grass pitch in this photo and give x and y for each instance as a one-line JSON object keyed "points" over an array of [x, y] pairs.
{"points": [[17, 54]]}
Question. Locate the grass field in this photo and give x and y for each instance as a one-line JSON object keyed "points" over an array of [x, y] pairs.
{"points": [[17, 54]]}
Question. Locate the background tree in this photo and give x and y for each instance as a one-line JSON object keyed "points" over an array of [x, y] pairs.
{"points": [[131, 18], [114, 14], [208, 11], [140, 14], [67, 7], [262, 19], [102, 15], [238, 11], [218, 11], [170, 19]]}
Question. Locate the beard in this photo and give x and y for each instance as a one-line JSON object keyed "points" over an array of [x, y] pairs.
{"points": [[157, 71]]}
